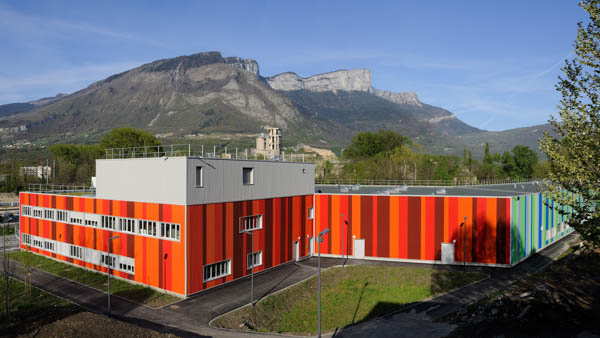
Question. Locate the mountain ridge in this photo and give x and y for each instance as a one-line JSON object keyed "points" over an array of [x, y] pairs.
{"points": [[207, 93]]}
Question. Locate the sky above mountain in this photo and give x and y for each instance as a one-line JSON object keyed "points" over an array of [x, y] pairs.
{"points": [[493, 64]]}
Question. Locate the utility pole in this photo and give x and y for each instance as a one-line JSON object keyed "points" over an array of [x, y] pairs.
{"points": [[109, 263], [320, 239]]}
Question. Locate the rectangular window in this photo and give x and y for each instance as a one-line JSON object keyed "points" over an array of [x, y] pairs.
{"points": [[26, 211], [249, 223], [169, 230], [62, 216], [217, 270], [26, 239], [199, 178], [311, 213], [254, 259], [248, 176]]}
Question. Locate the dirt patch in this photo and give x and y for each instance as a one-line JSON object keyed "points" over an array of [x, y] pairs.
{"points": [[90, 325], [561, 301], [9, 197]]}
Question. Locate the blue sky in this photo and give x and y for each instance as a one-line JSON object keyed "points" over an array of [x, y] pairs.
{"points": [[492, 63]]}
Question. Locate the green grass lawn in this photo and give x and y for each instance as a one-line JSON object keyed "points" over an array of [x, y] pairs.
{"points": [[349, 295], [134, 292], [27, 312]]}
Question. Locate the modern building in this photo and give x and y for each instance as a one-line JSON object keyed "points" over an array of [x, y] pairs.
{"points": [[40, 172], [269, 144], [493, 225], [184, 224]]}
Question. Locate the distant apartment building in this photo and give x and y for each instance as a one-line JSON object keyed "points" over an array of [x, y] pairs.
{"points": [[39, 171], [269, 144]]}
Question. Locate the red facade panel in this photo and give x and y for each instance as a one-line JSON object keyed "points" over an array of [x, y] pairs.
{"points": [[413, 227], [214, 235]]}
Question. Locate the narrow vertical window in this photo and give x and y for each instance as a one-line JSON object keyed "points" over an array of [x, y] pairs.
{"points": [[199, 178]]}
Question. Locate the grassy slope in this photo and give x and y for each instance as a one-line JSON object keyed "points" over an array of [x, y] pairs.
{"points": [[349, 295], [136, 293]]}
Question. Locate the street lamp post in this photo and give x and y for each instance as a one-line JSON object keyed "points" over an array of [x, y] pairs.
{"points": [[109, 264], [464, 226], [251, 267], [343, 239], [320, 239]]}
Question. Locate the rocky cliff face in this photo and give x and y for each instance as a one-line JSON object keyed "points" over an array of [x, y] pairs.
{"points": [[400, 98], [248, 65], [346, 80], [341, 80]]}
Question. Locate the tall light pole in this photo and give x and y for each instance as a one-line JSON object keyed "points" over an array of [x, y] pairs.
{"points": [[464, 226], [343, 239], [252, 266], [109, 264], [320, 239]]}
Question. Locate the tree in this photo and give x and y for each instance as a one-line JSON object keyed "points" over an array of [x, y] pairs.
{"points": [[368, 144], [525, 160], [128, 138], [574, 155]]}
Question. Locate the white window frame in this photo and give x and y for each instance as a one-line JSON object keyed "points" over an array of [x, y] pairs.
{"points": [[199, 177], [251, 223], [216, 270], [311, 212], [256, 258], [251, 176]]}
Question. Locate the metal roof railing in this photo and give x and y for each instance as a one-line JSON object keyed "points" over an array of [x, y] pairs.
{"points": [[61, 188], [189, 150], [429, 183]]}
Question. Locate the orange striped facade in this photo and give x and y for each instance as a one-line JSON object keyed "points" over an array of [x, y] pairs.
{"points": [[211, 234], [158, 263], [413, 227]]}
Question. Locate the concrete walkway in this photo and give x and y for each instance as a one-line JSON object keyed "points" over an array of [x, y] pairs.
{"points": [[190, 317]]}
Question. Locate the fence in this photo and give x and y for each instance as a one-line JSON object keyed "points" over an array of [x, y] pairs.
{"points": [[62, 188], [176, 150], [434, 183]]}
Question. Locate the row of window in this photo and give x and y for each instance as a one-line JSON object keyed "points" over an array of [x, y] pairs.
{"points": [[117, 262], [249, 223], [164, 230], [76, 252], [247, 176], [223, 268]]}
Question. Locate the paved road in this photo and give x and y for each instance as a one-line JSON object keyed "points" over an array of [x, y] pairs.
{"points": [[190, 317]]}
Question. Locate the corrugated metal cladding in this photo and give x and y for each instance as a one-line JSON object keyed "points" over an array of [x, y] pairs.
{"points": [[151, 267], [536, 222], [214, 236], [413, 227]]}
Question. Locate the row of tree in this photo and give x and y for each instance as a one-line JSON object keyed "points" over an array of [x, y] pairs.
{"points": [[389, 155]]}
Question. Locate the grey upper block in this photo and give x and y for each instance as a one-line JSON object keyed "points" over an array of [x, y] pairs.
{"points": [[172, 180]]}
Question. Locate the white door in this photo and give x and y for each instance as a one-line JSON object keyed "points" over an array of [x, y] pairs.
{"points": [[448, 253], [311, 245], [359, 248], [296, 250]]}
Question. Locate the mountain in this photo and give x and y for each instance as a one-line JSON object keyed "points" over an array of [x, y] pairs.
{"points": [[208, 94], [16, 108]]}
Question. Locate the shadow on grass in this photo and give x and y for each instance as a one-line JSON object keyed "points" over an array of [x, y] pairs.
{"points": [[451, 302]]}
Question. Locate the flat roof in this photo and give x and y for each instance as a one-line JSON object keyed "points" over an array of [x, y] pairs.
{"points": [[489, 190]]}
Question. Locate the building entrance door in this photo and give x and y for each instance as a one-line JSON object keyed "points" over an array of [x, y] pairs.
{"points": [[359, 248]]}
